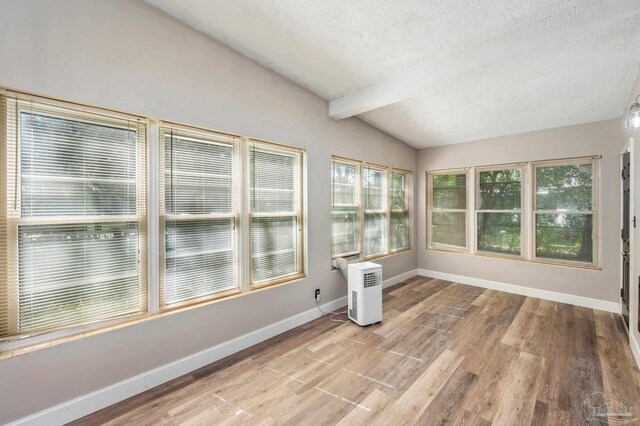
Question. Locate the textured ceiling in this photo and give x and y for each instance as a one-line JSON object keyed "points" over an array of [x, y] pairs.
{"points": [[440, 72]]}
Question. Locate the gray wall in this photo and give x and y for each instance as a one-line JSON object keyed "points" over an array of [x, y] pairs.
{"points": [[602, 138], [128, 56]]}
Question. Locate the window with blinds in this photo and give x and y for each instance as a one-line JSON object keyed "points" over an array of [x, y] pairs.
{"points": [[275, 212], [345, 209], [400, 220], [374, 183], [72, 215], [199, 214], [376, 199]]}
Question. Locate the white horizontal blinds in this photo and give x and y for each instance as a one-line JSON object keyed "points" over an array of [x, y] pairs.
{"points": [[399, 184], [200, 182], [5, 142], [275, 206], [75, 211], [374, 187], [345, 209]]}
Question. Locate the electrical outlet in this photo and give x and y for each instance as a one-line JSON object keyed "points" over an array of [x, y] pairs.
{"points": [[317, 295]]}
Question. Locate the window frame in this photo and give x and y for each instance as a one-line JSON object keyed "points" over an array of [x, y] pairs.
{"points": [[360, 256], [199, 135], [76, 112], [430, 209], [384, 211], [298, 213], [357, 205], [527, 210], [521, 211], [149, 216], [594, 212], [407, 208]]}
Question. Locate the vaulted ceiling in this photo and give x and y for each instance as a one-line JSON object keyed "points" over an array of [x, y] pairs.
{"points": [[440, 72]]}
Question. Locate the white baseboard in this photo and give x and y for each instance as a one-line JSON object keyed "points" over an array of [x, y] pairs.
{"points": [[87, 404], [399, 278], [571, 299], [635, 348]]}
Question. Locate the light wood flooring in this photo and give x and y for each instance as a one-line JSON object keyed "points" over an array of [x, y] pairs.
{"points": [[445, 353]]}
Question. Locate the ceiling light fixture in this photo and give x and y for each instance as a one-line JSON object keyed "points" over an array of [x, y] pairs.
{"points": [[633, 119]]}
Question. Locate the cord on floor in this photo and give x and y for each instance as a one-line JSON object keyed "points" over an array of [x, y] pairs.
{"points": [[333, 313]]}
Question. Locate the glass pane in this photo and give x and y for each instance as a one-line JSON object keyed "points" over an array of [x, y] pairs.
{"points": [[449, 228], [344, 183], [450, 191], [198, 176], [272, 181], [70, 167], [199, 259], [500, 189], [398, 187], [70, 274], [499, 232], [345, 230], [399, 230], [373, 186], [564, 187], [565, 237], [375, 233], [274, 248]]}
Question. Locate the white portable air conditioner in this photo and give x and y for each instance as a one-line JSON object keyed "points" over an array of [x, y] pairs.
{"points": [[365, 293]]}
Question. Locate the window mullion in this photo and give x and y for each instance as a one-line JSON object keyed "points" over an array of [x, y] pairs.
{"points": [[244, 257], [153, 218]]}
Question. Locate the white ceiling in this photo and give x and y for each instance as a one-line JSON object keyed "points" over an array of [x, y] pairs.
{"points": [[440, 72]]}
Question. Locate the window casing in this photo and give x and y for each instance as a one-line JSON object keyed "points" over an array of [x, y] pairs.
{"points": [[375, 199], [499, 200], [543, 211], [345, 209], [200, 214], [566, 212], [74, 212], [447, 210], [275, 213], [225, 215]]}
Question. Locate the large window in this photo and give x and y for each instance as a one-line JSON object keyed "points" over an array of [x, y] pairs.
{"points": [[221, 214], [374, 198], [499, 215], [544, 211], [200, 214], [447, 211], [565, 211], [275, 201], [345, 209], [73, 216]]}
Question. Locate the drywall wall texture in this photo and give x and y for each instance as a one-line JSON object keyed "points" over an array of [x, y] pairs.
{"points": [[129, 56], [600, 138]]}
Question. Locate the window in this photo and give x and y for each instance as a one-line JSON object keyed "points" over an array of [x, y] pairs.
{"points": [[399, 187], [275, 205], [447, 212], [555, 220], [73, 215], [499, 215], [226, 215], [564, 211], [345, 209], [374, 182], [200, 214], [374, 198]]}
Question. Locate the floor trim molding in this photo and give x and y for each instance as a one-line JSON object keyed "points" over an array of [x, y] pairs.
{"points": [[571, 299], [399, 278], [94, 401], [635, 348]]}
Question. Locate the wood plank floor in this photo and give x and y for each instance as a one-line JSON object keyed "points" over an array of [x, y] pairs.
{"points": [[445, 353]]}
